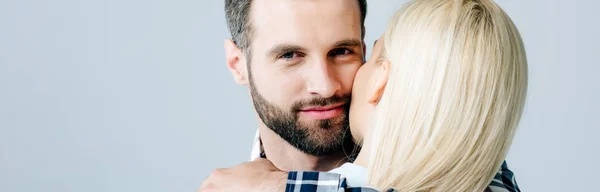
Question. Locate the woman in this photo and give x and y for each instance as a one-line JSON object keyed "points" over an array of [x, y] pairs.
{"points": [[437, 105]]}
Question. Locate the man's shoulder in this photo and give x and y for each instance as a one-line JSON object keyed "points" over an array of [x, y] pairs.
{"points": [[505, 180]]}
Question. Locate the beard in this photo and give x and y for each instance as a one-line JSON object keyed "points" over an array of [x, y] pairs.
{"points": [[315, 137]]}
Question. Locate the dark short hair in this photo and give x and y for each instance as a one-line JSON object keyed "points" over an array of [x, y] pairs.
{"points": [[237, 14]]}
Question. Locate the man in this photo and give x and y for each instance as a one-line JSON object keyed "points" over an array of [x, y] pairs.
{"points": [[299, 59]]}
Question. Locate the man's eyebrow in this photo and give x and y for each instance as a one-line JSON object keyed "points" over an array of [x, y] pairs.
{"points": [[375, 42], [348, 43], [284, 48]]}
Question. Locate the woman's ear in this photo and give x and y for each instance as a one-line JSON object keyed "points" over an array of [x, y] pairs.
{"points": [[381, 77], [236, 62]]}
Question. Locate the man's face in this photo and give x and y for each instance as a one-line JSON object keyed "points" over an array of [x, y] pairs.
{"points": [[304, 55]]}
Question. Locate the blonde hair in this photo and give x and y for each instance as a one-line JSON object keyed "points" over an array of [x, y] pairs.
{"points": [[454, 97]]}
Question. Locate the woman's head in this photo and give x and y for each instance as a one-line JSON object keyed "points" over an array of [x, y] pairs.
{"points": [[455, 76]]}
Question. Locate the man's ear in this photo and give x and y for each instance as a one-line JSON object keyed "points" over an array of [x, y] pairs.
{"points": [[236, 62], [381, 77]]}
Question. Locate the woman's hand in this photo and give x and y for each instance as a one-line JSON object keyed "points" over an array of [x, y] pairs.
{"points": [[258, 175]]}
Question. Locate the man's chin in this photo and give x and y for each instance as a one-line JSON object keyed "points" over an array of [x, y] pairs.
{"points": [[322, 126], [325, 132]]}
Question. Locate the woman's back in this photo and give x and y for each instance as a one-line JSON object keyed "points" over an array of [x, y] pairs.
{"points": [[454, 97]]}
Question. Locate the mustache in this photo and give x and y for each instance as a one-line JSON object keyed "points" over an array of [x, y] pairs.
{"points": [[320, 101]]}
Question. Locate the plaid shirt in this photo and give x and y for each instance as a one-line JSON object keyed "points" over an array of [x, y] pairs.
{"points": [[310, 181]]}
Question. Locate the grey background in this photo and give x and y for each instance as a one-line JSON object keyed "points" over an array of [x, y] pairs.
{"points": [[134, 95]]}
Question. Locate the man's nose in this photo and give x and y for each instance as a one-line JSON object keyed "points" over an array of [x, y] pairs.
{"points": [[322, 80]]}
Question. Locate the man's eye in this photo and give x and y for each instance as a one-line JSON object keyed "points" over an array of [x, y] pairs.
{"points": [[288, 55], [340, 51]]}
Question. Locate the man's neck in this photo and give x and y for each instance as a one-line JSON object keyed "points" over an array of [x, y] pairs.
{"points": [[288, 158]]}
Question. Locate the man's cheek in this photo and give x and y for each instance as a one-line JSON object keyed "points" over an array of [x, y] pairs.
{"points": [[291, 87], [349, 78]]}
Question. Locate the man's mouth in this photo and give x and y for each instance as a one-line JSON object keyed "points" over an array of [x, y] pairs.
{"points": [[323, 112]]}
